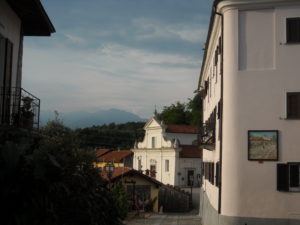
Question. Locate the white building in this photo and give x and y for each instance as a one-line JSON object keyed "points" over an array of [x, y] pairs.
{"points": [[250, 85], [17, 20], [167, 153]]}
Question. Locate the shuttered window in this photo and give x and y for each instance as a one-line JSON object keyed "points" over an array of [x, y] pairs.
{"points": [[218, 174], [293, 30], [282, 177], [288, 177], [2, 59], [293, 105]]}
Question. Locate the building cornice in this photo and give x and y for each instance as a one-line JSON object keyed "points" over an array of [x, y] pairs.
{"points": [[220, 7]]}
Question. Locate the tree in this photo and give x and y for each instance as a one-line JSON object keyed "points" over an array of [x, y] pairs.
{"points": [[55, 183], [174, 114], [183, 113]]}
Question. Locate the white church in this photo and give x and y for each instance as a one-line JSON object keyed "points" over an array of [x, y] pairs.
{"points": [[169, 153]]}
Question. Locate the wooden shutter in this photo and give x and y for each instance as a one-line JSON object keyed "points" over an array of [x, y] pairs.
{"points": [[216, 56], [293, 30], [206, 86], [294, 175], [293, 105], [218, 174], [8, 63], [212, 173], [220, 45], [2, 60], [282, 177]]}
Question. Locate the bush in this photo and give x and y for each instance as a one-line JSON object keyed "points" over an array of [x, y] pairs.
{"points": [[53, 184], [150, 204], [120, 196]]}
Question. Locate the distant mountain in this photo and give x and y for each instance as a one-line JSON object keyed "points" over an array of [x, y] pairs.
{"points": [[87, 119]]}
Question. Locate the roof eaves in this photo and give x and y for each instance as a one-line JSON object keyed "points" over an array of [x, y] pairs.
{"points": [[211, 25]]}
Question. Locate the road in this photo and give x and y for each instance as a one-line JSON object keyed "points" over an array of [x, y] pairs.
{"points": [[167, 219]]}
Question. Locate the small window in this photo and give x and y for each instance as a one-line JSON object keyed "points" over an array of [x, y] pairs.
{"points": [[167, 165], [153, 142], [139, 164], [293, 30], [288, 177], [293, 105]]}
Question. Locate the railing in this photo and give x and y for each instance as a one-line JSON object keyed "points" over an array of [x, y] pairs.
{"points": [[19, 108], [207, 135]]}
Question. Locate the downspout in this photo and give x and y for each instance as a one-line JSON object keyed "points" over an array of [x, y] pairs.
{"points": [[221, 105]]}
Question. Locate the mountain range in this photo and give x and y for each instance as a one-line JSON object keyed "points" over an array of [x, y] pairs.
{"points": [[88, 119]]}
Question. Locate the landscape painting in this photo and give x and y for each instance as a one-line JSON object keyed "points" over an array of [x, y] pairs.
{"points": [[263, 145]]}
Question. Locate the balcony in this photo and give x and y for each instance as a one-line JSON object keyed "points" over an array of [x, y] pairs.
{"points": [[207, 136], [19, 108]]}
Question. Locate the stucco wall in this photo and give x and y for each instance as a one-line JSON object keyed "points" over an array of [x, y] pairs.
{"points": [[185, 139], [254, 99], [259, 68], [10, 26], [154, 189], [159, 156]]}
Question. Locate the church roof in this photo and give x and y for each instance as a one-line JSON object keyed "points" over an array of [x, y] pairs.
{"points": [[182, 129], [190, 151]]}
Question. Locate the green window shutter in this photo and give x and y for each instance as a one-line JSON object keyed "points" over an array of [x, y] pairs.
{"points": [[282, 177]]}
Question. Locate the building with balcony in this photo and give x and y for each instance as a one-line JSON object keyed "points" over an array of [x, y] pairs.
{"points": [[250, 85], [169, 153], [119, 158], [18, 107]]}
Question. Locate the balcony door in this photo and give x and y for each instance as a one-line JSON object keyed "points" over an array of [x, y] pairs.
{"points": [[6, 52]]}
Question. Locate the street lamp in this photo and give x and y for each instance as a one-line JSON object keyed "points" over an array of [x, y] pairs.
{"points": [[109, 169]]}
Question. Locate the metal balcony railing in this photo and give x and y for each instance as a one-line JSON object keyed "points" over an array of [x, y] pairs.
{"points": [[207, 135], [19, 108]]}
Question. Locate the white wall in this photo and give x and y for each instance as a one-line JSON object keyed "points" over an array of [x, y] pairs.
{"points": [[185, 139], [212, 74], [10, 26], [165, 149], [159, 155], [186, 164], [254, 99]]}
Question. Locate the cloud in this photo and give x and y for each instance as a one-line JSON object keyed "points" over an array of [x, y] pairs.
{"points": [[112, 54]]}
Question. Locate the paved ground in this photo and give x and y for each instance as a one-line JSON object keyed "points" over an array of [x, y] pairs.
{"points": [[166, 219]]}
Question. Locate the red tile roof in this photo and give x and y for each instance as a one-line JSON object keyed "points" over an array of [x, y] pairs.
{"points": [[101, 151], [182, 129], [188, 151], [115, 156], [120, 172]]}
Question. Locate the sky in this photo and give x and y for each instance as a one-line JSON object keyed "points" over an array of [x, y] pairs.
{"points": [[126, 54]]}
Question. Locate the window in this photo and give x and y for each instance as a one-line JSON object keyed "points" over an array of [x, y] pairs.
{"points": [[218, 174], [293, 30], [139, 164], [293, 105], [166, 165], [153, 142], [288, 177], [209, 171], [153, 171]]}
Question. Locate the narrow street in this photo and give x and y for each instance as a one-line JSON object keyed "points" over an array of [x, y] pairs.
{"points": [[167, 219]]}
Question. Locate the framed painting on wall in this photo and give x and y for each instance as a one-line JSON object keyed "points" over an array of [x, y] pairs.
{"points": [[263, 145]]}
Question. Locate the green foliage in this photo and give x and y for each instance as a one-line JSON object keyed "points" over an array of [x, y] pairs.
{"points": [[120, 195], [150, 204], [54, 184], [183, 113], [174, 114], [113, 136]]}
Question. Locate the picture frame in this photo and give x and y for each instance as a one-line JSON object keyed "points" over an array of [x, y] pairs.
{"points": [[263, 145]]}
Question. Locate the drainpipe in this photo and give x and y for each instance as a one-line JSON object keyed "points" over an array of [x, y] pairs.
{"points": [[221, 105]]}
